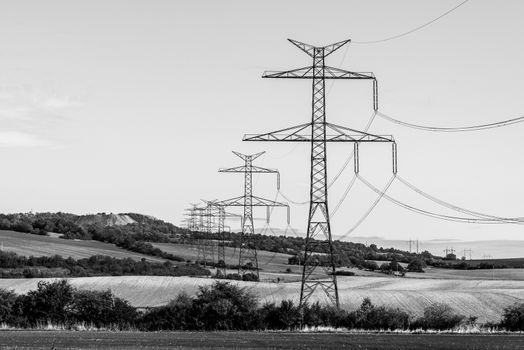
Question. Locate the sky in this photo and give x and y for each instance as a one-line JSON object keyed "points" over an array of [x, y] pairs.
{"points": [[133, 106]]}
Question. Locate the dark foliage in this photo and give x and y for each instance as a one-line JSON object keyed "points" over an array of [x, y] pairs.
{"points": [[513, 317], [15, 266], [374, 317], [438, 316]]}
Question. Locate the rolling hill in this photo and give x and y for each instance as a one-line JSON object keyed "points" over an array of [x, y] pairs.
{"points": [[36, 245]]}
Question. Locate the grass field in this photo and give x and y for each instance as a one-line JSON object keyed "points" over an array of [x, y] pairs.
{"points": [[253, 340], [35, 245], [485, 299]]}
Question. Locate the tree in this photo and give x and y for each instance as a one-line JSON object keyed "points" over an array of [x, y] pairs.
{"points": [[51, 302], [438, 316], [416, 265], [513, 317]]}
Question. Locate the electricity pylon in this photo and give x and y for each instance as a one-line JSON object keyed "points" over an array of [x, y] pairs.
{"points": [[247, 261], [318, 132], [220, 214]]}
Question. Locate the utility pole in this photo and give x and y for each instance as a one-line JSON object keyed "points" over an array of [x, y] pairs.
{"points": [[467, 251], [248, 262], [318, 133]]}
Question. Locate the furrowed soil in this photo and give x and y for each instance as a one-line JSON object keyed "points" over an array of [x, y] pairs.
{"points": [[252, 340], [485, 299]]}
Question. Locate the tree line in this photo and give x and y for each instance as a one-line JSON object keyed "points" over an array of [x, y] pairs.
{"points": [[13, 265], [222, 306]]}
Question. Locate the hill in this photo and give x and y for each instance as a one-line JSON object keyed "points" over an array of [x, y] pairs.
{"points": [[36, 245], [104, 219]]}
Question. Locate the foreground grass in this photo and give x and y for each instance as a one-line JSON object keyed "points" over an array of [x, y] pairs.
{"points": [[254, 340]]}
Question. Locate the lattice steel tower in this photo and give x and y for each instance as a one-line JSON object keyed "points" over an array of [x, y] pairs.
{"points": [[318, 132], [248, 261]]}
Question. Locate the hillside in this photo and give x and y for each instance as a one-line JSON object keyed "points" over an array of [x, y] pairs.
{"points": [[36, 245], [482, 298], [104, 219]]}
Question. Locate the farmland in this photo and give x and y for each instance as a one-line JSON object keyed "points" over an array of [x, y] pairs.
{"points": [[253, 340], [36, 245], [482, 298], [272, 265]]}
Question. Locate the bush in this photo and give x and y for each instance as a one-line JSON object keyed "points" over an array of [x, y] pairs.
{"points": [[101, 309], [177, 315], [251, 277], [7, 306], [326, 316], [416, 265], [370, 316], [224, 306], [438, 316], [285, 316], [344, 273], [51, 302], [513, 317]]}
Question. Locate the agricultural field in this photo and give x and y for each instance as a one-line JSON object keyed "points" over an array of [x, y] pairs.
{"points": [[253, 340], [272, 265], [36, 245], [484, 274], [484, 299]]}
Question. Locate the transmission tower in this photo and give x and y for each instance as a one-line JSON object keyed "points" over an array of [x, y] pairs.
{"points": [[221, 215], [318, 133], [248, 262]]}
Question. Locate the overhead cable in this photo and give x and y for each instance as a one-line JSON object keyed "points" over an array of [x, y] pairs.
{"points": [[411, 30], [428, 213], [344, 195], [453, 129], [366, 214], [457, 208]]}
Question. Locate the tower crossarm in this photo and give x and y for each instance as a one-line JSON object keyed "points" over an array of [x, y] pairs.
{"points": [[308, 73], [310, 49], [257, 202], [334, 133], [243, 169]]}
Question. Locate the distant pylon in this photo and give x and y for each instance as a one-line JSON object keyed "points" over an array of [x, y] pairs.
{"points": [[248, 261], [319, 250]]}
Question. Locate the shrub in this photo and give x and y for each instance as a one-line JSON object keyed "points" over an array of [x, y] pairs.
{"points": [[285, 316], [327, 316], [7, 306], [513, 317], [224, 306], [438, 316], [250, 277], [344, 273], [101, 308], [177, 315], [370, 316], [51, 302]]}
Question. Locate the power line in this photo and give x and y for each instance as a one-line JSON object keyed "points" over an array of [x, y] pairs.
{"points": [[412, 30], [453, 129], [344, 195], [457, 208], [428, 213], [366, 214]]}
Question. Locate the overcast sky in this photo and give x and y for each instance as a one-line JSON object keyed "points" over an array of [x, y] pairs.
{"points": [[132, 106]]}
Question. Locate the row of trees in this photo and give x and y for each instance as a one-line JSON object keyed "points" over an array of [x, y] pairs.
{"points": [[222, 306], [16, 266]]}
